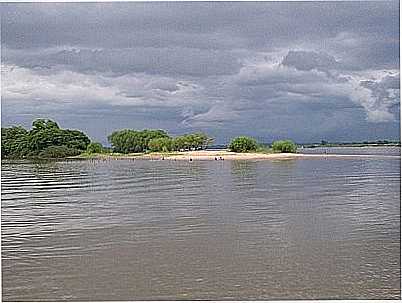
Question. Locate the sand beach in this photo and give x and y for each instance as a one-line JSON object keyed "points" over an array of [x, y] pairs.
{"points": [[205, 155]]}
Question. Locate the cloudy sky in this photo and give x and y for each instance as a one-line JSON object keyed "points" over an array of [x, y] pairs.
{"points": [[301, 70]]}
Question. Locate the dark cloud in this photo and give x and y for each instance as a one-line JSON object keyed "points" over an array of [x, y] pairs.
{"points": [[171, 61], [268, 69], [308, 60]]}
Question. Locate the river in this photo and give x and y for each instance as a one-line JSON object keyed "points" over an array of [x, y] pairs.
{"points": [[220, 230]]}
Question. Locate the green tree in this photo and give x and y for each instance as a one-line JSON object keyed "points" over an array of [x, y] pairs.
{"points": [[179, 143], [243, 144], [18, 143], [200, 140], [161, 144], [192, 141], [95, 148], [132, 141], [74, 139], [284, 146], [47, 133], [14, 142]]}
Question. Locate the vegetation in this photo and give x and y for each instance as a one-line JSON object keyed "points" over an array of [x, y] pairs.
{"points": [[264, 149], [45, 139], [191, 142], [243, 144], [131, 141], [284, 146], [95, 148], [161, 144], [59, 152], [14, 142]]}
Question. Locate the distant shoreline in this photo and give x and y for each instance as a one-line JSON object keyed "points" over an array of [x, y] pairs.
{"points": [[219, 155]]}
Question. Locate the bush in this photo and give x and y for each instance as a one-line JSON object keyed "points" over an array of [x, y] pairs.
{"points": [[284, 146], [95, 148], [59, 152], [243, 144]]}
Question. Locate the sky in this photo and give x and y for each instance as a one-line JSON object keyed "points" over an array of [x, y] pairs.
{"points": [[306, 71]]}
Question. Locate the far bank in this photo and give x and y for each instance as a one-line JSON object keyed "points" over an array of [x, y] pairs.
{"points": [[219, 155]]}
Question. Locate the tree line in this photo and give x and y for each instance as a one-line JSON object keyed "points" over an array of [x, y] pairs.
{"points": [[47, 140], [133, 141]]}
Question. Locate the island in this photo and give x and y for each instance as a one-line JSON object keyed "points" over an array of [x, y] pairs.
{"points": [[46, 140]]}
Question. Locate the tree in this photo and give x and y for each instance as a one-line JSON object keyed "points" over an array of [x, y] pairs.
{"points": [[284, 146], [201, 140], [180, 142], [243, 144], [17, 142], [95, 148], [75, 139], [47, 133], [14, 142], [192, 141], [132, 141], [161, 144], [41, 124]]}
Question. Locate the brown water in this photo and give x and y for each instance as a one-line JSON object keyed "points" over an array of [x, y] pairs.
{"points": [[163, 230]]}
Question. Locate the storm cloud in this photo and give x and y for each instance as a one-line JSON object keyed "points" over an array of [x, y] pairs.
{"points": [[301, 70]]}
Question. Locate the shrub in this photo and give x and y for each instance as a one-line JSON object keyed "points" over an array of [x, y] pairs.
{"points": [[243, 144], [95, 148], [284, 146]]}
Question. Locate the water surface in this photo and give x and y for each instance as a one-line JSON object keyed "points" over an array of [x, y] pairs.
{"points": [[371, 150], [223, 230]]}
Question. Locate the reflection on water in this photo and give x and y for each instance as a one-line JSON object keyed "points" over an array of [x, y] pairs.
{"points": [[162, 230]]}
